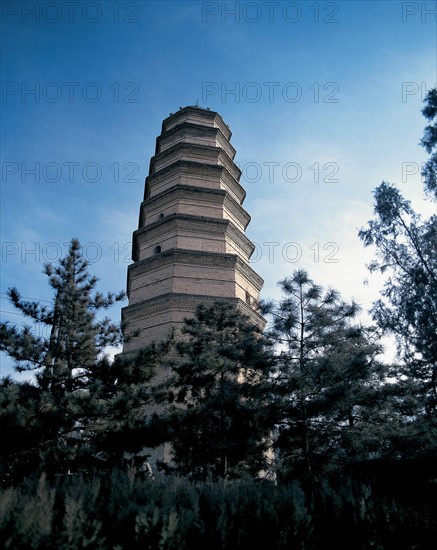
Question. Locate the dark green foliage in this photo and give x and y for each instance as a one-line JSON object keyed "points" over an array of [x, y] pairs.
{"points": [[429, 142], [111, 414], [119, 404], [219, 422], [406, 251], [50, 417], [23, 418], [327, 376], [119, 510]]}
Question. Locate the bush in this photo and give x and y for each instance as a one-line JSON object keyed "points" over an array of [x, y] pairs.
{"points": [[120, 511]]}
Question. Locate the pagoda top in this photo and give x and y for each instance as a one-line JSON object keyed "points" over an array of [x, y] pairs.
{"points": [[196, 115]]}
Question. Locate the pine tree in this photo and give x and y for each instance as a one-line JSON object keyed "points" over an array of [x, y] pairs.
{"points": [[406, 251], [327, 372], [220, 419], [49, 413]]}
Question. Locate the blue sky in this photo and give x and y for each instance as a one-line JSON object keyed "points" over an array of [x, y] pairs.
{"points": [[323, 99]]}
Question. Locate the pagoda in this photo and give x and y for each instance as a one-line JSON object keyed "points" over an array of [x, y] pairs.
{"points": [[190, 246]]}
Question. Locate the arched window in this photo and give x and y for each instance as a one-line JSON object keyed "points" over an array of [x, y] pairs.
{"points": [[248, 298], [157, 250]]}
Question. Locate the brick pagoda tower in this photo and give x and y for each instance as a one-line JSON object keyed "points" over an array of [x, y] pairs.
{"points": [[190, 246]]}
